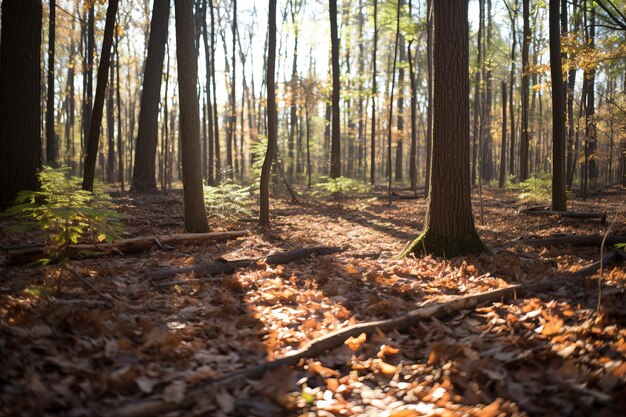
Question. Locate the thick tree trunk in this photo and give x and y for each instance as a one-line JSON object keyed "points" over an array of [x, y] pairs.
{"points": [[144, 170], [559, 200], [96, 116], [266, 171], [449, 228], [52, 146], [20, 92], [195, 214]]}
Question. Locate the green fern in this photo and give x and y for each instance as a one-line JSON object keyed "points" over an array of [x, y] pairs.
{"points": [[65, 213]]}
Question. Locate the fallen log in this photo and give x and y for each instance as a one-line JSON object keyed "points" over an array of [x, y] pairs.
{"points": [[568, 214], [609, 259], [120, 247], [320, 345], [223, 266], [591, 240]]}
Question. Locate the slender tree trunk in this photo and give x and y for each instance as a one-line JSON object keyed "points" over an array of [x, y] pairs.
{"points": [[523, 165], [96, 117], [477, 130], [487, 151], [335, 143], [502, 179], [216, 124], [413, 80], [52, 147], [195, 214], [393, 83], [590, 122], [571, 84], [110, 171], [374, 98], [20, 93], [513, 18], [400, 143], [266, 171], [120, 145]]}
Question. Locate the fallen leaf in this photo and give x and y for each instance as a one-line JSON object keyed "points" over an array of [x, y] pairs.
{"points": [[553, 326], [175, 392], [386, 350], [145, 384], [354, 343]]}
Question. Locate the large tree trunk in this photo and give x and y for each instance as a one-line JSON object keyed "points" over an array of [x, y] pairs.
{"points": [[20, 92], [195, 214], [449, 228], [266, 171], [335, 144], [98, 106], [52, 146], [523, 154], [559, 201], [144, 170]]}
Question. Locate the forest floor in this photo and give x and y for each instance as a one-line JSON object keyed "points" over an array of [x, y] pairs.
{"points": [[106, 347]]}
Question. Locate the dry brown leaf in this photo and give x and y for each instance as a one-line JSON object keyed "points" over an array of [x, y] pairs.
{"points": [[354, 343], [386, 350], [552, 326]]}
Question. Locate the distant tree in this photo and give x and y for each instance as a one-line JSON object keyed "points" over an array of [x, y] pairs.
{"points": [[98, 105], [449, 228], [335, 142], [195, 212], [374, 92], [144, 170], [266, 170], [20, 92]]}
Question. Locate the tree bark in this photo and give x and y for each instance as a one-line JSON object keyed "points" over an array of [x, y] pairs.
{"points": [[266, 170], [502, 178], [144, 170], [20, 92], [523, 155], [335, 142], [195, 214], [52, 146], [96, 116], [559, 200], [374, 98], [449, 227]]}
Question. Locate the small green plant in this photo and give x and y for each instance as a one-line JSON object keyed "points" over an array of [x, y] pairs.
{"points": [[228, 200], [538, 187], [66, 213], [340, 187]]}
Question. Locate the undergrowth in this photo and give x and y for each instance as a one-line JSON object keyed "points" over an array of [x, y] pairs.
{"points": [[228, 200], [340, 188]]}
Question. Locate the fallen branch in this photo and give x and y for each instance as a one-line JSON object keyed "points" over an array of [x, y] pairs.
{"points": [[592, 240], [568, 214], [124, 247], [610, 258], [318, 346], [223, 266]]}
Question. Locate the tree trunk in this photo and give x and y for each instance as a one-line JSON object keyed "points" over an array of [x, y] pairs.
{"points": [[374, 98], [96, 116], [590, 122], [559, 201], [144, 170], [523, 155], [449, 227], [487, 150], [429, 115], [400, 148], [502, 179], [335, 144], [52, 147], [266, 171], [477, 129], [110, 170], [20, 92], [513, 18], [90, 50], [216, 124], [413, 81], [195, 214]]}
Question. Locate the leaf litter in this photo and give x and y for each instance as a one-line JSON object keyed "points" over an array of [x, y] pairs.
{"points": [[69, 353]]}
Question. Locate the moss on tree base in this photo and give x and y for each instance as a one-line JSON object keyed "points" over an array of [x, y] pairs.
{"points": [[429, 243]]}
